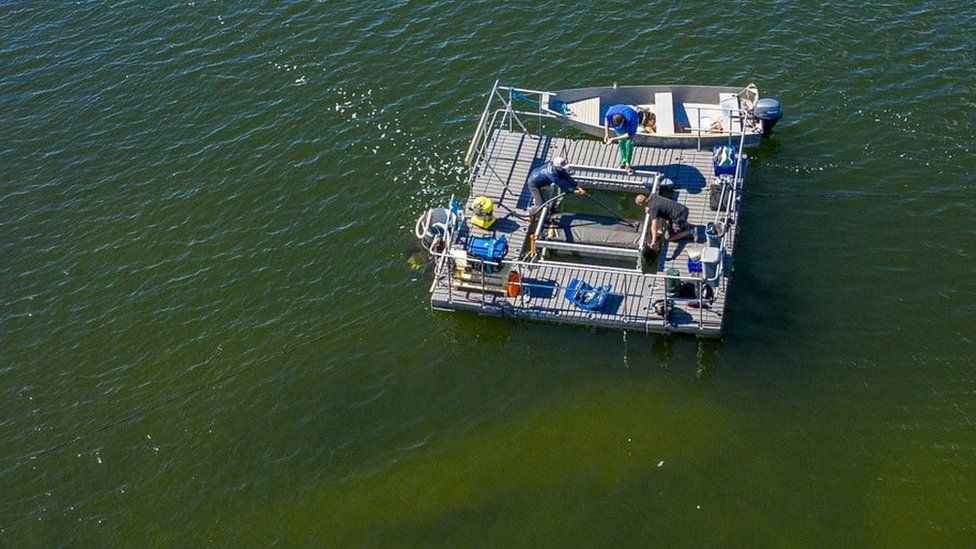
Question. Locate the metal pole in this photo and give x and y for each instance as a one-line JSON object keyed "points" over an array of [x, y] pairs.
{"points": [[483, 284], [701, 307], [610, 251], [451, 265], [645, 173], [698, 126], [481, 123], [540, 114], [508, 109]]}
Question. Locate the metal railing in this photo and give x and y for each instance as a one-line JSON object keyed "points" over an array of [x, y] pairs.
{"points": [[740, 115], [506, 96], [480, 129], [446, 266], [728, 205], [608, 251], [490, 279]]}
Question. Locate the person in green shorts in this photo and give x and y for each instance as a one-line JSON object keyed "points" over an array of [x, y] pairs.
{"points": [[623, 119]]}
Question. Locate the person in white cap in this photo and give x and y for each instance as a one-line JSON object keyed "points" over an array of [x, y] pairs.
{"points": [[554, 172]]}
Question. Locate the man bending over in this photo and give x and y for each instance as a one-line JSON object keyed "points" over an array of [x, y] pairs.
{"points": [[661, 208]]}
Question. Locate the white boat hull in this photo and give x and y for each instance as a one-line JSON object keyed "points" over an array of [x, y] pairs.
{"points": [[687, 116]]}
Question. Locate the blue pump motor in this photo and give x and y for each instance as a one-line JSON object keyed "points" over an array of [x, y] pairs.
{"points": [[490, 250]]}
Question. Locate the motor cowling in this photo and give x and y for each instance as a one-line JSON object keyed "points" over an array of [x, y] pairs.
{"points": [[770, 112]]}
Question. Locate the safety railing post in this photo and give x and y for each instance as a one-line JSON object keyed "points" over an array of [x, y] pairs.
{"points": [[508, 109], [701, 301], [451, 267], [478, 130], [483, 292], [698, 127], [539, 111]]}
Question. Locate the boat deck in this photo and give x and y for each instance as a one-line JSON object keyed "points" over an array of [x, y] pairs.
{"points": [[501, 175]]}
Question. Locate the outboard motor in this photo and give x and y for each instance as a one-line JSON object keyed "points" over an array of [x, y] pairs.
{"points": [[769, 111]]}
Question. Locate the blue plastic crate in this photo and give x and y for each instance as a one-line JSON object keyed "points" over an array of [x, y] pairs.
{"points": [[727, 169], [587, 297]]}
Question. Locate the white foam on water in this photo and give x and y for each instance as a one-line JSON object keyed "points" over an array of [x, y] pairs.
{"points": [[417, 161]]}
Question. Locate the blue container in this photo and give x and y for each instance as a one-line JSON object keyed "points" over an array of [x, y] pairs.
{"points": [[488, 248], [587, 297], [725, 167], [694, 266]]}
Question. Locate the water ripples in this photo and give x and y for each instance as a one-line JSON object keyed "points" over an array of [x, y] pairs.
{"points": [[191, 189]]}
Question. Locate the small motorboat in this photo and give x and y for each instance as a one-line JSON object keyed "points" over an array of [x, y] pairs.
{"points": [[672, 116]]}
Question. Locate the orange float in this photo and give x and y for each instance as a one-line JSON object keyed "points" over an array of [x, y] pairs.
{"points": [[514, 287]]}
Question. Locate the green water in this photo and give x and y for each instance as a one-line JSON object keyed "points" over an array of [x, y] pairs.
{"points": [[200, 201]]}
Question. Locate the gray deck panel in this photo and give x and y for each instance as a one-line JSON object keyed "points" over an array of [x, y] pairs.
{"points": [[512, 155]]}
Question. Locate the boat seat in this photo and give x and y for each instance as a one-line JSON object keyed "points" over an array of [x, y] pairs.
{"points": [[730, 121], [664, 111], [704, 115], [587, 111]]}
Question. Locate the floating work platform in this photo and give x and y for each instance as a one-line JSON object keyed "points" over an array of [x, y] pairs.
{"points": [[548, 252]]}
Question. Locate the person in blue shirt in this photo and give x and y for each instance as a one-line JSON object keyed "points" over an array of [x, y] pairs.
{"points": [[623, 119], [554, 172]]}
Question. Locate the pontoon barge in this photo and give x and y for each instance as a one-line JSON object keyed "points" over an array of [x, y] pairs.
{"points": [[547, 251]]}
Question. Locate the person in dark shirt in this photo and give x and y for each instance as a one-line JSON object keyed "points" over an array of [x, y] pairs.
{"points": [[554, 172], [674, 213]]}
